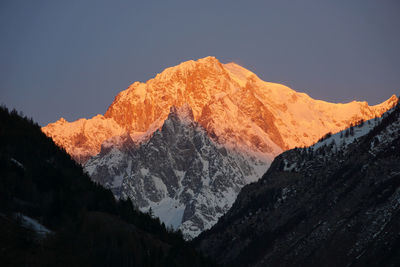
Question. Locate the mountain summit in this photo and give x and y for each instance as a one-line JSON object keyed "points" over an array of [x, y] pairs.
{"points": [[235, 107], [185, 142]]}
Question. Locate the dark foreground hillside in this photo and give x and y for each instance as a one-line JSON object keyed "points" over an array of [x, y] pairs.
{"points": [[52, 214], [332, 205]]}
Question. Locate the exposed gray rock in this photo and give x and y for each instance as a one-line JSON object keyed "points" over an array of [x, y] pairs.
{"points": [[187, 179]]}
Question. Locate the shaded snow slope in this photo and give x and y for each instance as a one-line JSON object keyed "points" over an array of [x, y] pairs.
{"points": [[187, 179]]}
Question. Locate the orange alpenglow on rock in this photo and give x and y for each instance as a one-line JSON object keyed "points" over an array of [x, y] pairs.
{"points": [[236, 108]]}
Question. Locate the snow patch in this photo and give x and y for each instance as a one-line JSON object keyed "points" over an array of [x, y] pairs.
{"points": [[33, 224], [169, 210], [19, 164]]}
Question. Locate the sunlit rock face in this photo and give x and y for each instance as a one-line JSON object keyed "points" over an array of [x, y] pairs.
{"points": [[230, 102], [238, 112]]}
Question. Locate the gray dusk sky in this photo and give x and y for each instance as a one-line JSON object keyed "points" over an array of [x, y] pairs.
{"points": [[70, 58]]}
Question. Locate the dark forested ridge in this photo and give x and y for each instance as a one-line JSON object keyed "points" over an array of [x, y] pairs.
{"points": [[335, 205], [88, 227]]}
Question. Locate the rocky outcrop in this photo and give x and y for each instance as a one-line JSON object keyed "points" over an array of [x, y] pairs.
{"points": [[187, 180]]}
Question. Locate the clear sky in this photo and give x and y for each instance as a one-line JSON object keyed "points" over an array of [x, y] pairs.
{"points": [[70, 58]]}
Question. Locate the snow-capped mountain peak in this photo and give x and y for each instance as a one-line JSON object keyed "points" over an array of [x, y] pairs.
{"points": [[216, 126], [229, 101]]}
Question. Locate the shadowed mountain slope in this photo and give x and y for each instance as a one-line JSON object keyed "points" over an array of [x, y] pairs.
{"points": [[336, 203], [52, 214]]}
